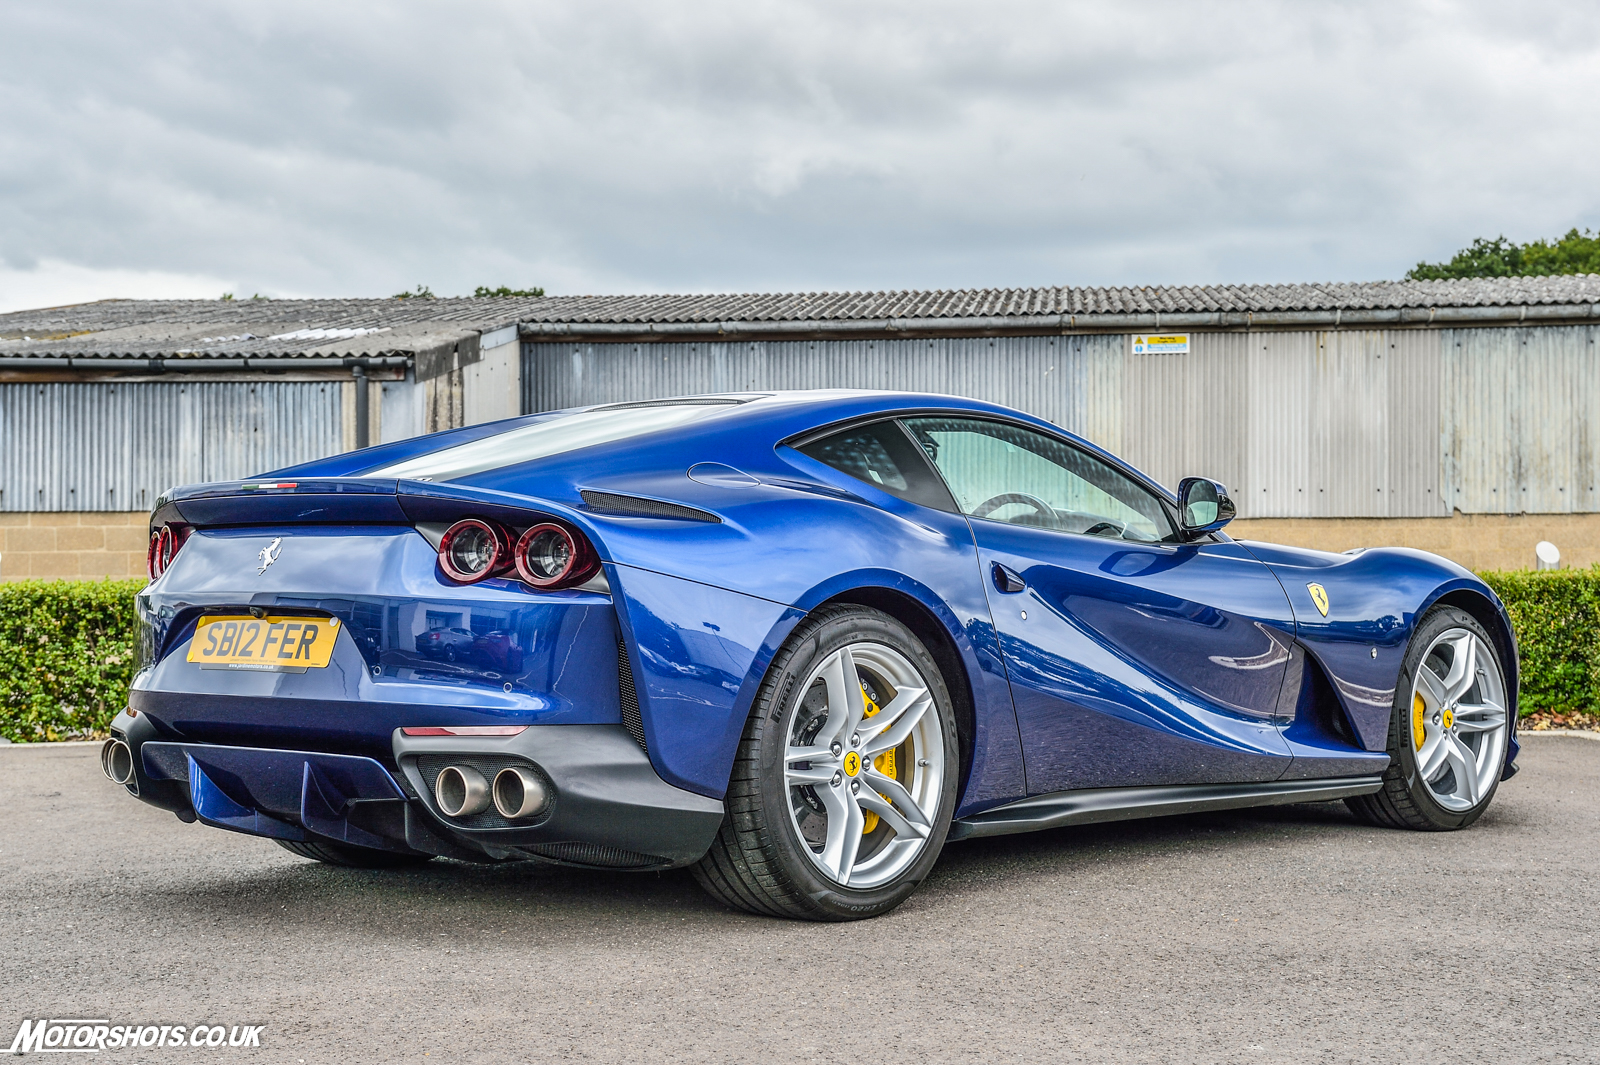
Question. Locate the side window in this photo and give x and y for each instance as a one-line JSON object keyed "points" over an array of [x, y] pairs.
{"points": [[882, 455], [1006, 473]]}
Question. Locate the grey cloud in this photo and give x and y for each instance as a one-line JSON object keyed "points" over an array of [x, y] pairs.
{"points": [[361, 148]]}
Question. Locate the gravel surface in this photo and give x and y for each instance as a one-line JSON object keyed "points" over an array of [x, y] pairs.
{"points": [[1285, 934]]}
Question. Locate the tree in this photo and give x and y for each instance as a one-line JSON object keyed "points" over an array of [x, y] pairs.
{"points": [[1575, 253], [423, 292], [483, 291]]}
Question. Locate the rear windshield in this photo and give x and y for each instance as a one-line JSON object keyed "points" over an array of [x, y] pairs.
{"points": [[548, 437]]}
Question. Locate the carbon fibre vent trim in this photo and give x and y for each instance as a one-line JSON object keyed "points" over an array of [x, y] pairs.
{"points": [[628, 696], [640, 507], [595, 854]]}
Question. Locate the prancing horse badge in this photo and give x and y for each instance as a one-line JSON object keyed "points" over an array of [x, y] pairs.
{"points": [[269, 554], [1319, 596]]}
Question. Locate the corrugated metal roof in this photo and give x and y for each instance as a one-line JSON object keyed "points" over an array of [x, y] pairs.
{"points": [[233, 328], [1578, 289], [218, 328]]}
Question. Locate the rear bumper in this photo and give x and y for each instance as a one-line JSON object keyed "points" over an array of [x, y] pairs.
{"points": [[609, 808]]}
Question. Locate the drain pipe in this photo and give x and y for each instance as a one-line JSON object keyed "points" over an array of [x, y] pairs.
{"points": [[363, 402]]}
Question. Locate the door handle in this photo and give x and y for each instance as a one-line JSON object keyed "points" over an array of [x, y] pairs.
{"points": [[1006, 580]]}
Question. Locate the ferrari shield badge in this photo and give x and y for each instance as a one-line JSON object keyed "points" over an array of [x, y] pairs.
{"points": [[1319, 596]]}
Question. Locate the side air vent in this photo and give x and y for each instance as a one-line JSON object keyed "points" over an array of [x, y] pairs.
{"points": [[632, 720], [639, 507]]}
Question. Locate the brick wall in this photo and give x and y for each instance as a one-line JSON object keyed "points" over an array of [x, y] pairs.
{"points": [[113, 544], [73, 545], [1476, 541]]}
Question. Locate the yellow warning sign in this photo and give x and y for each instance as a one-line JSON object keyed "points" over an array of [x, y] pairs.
{"points": [[1164, 344]]}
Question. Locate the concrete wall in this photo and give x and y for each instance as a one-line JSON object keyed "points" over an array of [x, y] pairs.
{"points": [[80, 545]]}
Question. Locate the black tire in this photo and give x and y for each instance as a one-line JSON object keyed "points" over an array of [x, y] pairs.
{"points": [[1405, 800], [350, 856], [757, 862]]}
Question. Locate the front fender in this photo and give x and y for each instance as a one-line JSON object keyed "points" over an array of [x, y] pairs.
{"points": [[1374, 600]]}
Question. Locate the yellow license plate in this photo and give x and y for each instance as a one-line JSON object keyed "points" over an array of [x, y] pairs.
{"points": [[269, 644]]}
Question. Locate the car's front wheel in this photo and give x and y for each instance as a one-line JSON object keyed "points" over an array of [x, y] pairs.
{"points": [[845, 780], [1448, 732]]}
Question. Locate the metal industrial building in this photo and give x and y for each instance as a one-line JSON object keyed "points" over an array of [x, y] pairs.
{"points": [[1454, 416]]}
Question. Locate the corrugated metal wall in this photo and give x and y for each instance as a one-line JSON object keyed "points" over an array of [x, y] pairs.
{"points": [[1298, 425], [1075, 382], [114, 446], [1518, 426], [1332, 423]]}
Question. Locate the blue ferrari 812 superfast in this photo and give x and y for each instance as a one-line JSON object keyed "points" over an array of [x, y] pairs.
{"points": [[795, 641]]}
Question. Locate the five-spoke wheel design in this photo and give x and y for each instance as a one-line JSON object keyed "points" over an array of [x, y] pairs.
{"points": [[863, 764], [846, 775], [1449, 728], [1458, 719]]}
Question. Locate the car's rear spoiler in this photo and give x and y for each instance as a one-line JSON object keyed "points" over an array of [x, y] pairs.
{"points": [[346, 501], [261, 501]]}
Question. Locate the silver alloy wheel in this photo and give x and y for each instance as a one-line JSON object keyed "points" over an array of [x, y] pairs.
{"points": [[1458, 719], [863, 784]]}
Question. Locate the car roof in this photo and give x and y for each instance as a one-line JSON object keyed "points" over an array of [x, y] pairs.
{"points": [[733, 423], [798, 412]]}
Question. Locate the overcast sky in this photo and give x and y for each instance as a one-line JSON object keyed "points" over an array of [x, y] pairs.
{"points": [[348, 148]]}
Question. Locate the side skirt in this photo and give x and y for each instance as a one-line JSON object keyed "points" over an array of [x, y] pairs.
{"points": [[1092, 805]]}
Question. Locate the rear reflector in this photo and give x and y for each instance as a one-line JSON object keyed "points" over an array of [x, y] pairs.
{"points": [[464, 730]]}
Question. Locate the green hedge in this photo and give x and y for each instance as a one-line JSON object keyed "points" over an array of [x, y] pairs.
{"points": [[67, 649], [1556, 616], [66, 657]]}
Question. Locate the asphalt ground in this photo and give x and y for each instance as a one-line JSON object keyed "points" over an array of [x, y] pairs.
{"points": [[1280, 935]]}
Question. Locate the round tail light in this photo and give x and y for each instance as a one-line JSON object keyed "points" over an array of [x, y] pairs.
{"points": [[550, 556], [472, 550], [164, 547]]}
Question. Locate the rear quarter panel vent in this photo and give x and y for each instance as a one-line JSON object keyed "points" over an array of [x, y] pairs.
{"points": [[628, 695], [640, 507]]}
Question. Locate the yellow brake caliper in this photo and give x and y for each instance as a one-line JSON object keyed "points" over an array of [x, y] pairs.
{"points": [[884, 764], [1418, 710]]}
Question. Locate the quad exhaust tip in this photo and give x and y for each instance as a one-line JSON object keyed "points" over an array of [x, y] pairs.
{"points": [[519, 793], [461, 791], [116, 761]]}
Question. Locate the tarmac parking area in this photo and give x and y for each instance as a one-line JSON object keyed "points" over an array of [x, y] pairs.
{"points": [[1287, 934]]}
